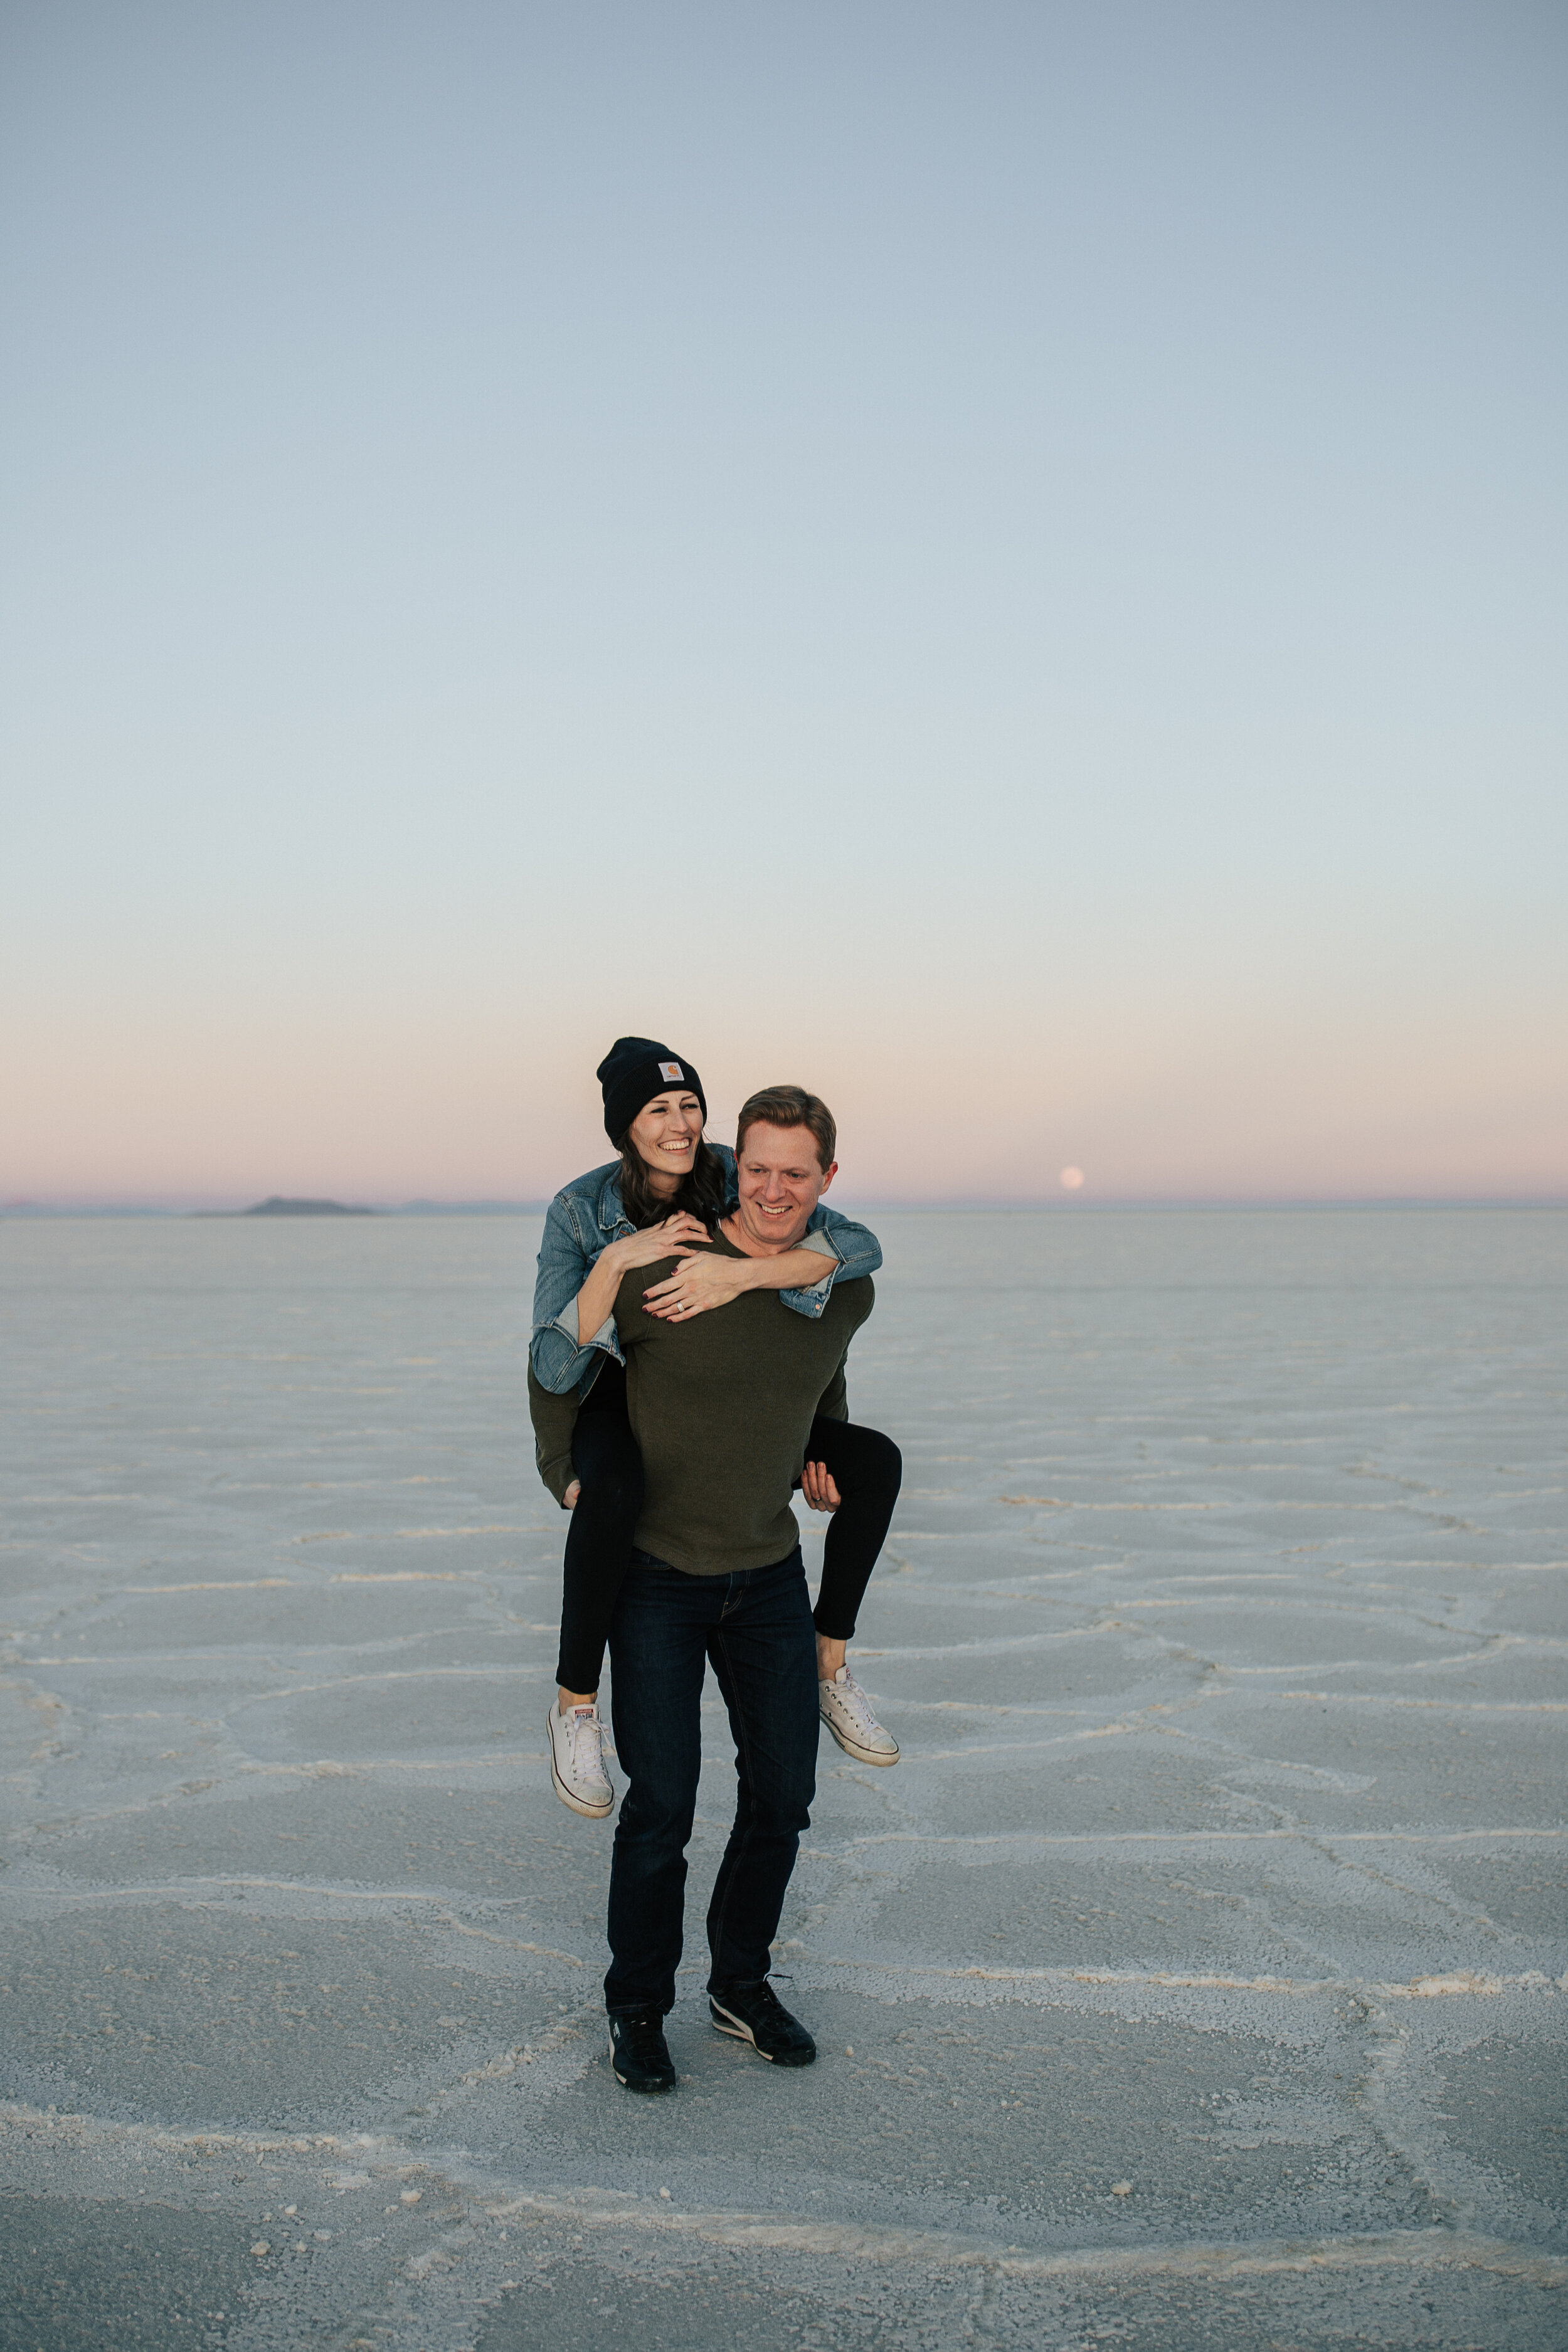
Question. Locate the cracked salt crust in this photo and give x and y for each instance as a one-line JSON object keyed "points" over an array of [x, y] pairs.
{"points": [[1200, 1979]]}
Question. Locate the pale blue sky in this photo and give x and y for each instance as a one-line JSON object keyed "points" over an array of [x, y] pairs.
{"points": [[1004, 562]]}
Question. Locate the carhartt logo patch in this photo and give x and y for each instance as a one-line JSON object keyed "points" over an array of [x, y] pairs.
{"points": [[671, 1070]]}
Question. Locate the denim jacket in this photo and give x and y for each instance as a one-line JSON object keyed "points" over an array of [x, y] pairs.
{"points": [[587, 1215]]}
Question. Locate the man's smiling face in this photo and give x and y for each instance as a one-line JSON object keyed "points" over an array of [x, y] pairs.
{"points": [[780, 1179]]}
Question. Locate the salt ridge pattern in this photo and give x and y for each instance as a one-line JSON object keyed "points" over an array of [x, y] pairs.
{"points": [[1198, 1975]]}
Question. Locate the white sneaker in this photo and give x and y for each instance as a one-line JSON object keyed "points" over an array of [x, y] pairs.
{"points": [[847, 1712], [577, 1761]]}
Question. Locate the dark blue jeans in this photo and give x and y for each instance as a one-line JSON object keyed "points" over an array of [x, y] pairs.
{"points": [[755, 1626]]}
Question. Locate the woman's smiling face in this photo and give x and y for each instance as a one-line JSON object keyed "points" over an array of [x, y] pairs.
{"points": [[666, 1132]]}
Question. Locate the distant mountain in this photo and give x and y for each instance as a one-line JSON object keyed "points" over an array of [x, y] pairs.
{"points": [[277, 1207]]}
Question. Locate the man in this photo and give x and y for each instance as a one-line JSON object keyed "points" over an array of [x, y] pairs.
{"points": [[722, 1406]]}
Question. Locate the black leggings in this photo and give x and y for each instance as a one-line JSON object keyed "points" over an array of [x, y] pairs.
{"points": [[864, 1466]]}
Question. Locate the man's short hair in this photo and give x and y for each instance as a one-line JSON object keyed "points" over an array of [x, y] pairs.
{"points": [[790, 1107]]}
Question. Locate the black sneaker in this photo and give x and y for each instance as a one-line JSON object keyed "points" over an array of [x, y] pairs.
{"points": [[638, 2052], [754, 2014]]}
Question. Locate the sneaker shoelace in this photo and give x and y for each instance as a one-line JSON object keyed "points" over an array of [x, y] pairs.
{"points": [[856, 1700], [641, 2037], [587, 1732], [766, 1999]]}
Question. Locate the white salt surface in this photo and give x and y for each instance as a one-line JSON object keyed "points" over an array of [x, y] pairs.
{"points": [[1197, 1977]]}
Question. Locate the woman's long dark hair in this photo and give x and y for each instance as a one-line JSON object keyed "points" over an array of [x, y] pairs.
{"points": [[701, 1191]]}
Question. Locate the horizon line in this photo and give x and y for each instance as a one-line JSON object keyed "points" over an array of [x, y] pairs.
{"points": [[208, 1206]]}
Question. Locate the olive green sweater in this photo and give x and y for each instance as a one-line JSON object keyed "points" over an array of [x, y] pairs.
{"points": [[721, 1408]]}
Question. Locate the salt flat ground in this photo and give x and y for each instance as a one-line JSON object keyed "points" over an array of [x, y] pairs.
{"points": [[1197, 1977]]}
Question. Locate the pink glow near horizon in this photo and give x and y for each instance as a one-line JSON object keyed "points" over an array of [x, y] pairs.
{"points": [[379, 1119], [1035, 609]]}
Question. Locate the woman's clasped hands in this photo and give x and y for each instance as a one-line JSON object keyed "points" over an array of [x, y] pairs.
{"points": [[698, 1283]]}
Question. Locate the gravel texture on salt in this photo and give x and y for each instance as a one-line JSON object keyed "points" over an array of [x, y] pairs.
{"points": [[1199, 1976]]}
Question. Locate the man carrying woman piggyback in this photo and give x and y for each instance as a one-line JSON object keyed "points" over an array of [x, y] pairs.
{"points": [[665, 1196]]}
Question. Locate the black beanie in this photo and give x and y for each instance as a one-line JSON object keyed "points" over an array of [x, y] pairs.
{"points": [[635, 1070]]}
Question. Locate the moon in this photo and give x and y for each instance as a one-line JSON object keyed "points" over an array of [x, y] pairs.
{"points": [[1071, 1178]]}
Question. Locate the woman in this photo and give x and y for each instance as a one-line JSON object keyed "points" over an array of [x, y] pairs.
{"points": [[661, 1198]]}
